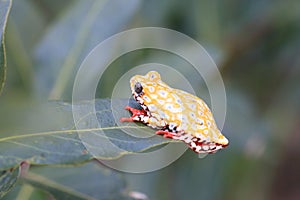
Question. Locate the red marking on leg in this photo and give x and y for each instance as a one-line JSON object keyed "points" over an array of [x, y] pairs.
{"points": [[135, 112], [125, 119], [128, 108], [166, 134]]}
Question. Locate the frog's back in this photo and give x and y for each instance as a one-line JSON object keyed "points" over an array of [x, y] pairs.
{"points": [[177, 111], [186, 113]]}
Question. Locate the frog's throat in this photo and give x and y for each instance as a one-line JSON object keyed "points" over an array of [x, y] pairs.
{"points": [[140, 101]]}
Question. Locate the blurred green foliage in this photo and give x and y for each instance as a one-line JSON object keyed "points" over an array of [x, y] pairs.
{"points": [[255, 45]]}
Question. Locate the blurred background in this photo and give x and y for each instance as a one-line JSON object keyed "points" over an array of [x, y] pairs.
{"points": [[255, 45]]}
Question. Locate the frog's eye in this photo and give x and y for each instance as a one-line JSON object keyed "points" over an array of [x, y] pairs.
{"points": [[138, 88]]}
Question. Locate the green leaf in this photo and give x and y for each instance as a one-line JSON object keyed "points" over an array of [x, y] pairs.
{"points": [[89, 181], [5, 6], [54, 147], [72, 37], [8, 179], [62, 147], [114, 139]]}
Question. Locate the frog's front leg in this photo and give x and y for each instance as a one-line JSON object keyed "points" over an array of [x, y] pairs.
{"points": [[141, 116], [137, 115], [153, 121]]}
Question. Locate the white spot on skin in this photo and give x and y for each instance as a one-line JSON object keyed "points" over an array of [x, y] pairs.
{"points": [[152, 108], [146, 98], [145, 119], [194, 145], [192, 115], [208, 139], [171, 108], [152, 75], [177, 99], [208, 123], [198, 148], [192, 106], [145, 108], [205, 147], [162, 114], [136, 118], [200, 121], [172, 125], [140, 100], [184, 119], [155, 123], [162, 93], [200, 113], [188, 138], [161, 102], [151, 89]]}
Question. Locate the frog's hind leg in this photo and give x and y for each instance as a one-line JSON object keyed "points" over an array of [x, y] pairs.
{"points": [[166, 134], [137, 115]]}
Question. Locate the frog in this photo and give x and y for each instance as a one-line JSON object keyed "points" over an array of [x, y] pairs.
{"points": [[175, 114]]}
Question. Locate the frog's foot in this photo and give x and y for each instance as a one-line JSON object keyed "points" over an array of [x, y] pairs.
{"points": [[166, 134], [125, 119], [136, 114]]}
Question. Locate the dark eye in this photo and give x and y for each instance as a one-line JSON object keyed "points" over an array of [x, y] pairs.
{"points": [[138, 88]]}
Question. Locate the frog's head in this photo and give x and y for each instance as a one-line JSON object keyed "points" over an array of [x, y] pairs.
{"points": [[141, 85]]}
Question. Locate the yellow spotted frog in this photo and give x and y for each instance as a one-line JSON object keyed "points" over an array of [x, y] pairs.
{"points": [[176, 113]]}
